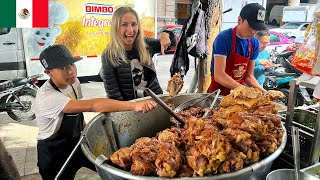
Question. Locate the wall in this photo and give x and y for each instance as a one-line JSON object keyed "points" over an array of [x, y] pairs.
{"points": [[165, 12]]}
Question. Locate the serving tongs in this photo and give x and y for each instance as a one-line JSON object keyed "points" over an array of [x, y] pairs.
{"points": [[140, 92], [196, 101], [296, 151]]}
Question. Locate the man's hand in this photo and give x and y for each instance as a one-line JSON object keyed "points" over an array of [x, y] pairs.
{"points": [[164, 41], [145, 106], [267, 63]]}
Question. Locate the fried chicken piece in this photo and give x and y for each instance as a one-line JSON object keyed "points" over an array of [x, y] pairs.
{"points": [[228, 100], [274, 126], [242, 98], [243, 142], [186, 171], [142, 167], [245, 122], [246, 92], [169, 160], [122, 158], [213, 144], [259, 127], [252, 103], [234, 162], [197, 162], [267, 144], [144, 153], [193, 111], [267, 109], [175, 85], [209, 150], [275, 95], [227, 111], [277, 133], [172, 136], [272, 120], [194, 126], [145, 148]]}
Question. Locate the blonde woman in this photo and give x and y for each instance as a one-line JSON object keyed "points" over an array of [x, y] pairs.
{"points": [[126, 62]]}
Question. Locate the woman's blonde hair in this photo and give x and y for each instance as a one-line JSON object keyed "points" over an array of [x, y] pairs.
{"points": [[116, 49]]}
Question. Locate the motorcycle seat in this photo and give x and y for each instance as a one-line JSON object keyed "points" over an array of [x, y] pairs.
{"points": [[285, 54], [282, 74], [19, 82], [6, 85], [12, 83]]}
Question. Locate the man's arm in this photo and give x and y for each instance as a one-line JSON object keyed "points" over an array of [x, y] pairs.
{"points": [[250, 79], [107, 105], [220, 74]]}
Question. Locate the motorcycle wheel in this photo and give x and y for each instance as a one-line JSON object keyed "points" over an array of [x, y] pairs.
{"points": [[24, 114], [299, 99]]}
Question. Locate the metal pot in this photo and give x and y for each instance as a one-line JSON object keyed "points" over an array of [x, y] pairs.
{"points": [[108, 132], [282, 174]]}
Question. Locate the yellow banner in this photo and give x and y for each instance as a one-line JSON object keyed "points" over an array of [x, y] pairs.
{"points": [[86, 31]]}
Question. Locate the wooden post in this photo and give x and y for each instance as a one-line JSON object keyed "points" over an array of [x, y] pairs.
{"points": [[8, 169], [213, 14]]}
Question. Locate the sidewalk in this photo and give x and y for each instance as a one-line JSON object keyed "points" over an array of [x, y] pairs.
{"points": [[20, 141]]}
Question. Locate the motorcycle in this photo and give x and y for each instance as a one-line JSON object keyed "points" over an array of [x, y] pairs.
{"points": [[279, 78], [17, 97]]}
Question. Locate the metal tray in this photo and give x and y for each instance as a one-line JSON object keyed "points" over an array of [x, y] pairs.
{"points": [[313, 170], [304, 119]]}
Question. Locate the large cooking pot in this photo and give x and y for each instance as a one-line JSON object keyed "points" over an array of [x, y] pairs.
{"points": [[107, 132]]}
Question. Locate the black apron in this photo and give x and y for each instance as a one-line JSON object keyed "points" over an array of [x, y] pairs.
{"points": [[54, 151]]}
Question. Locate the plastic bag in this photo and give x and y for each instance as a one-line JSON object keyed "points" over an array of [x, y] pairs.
{"points": [[307, 58]]}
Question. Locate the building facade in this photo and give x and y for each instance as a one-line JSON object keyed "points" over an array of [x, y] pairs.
{"points": [[171, 12]]}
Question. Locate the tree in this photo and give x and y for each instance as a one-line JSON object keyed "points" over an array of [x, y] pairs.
{"points": [[213, 15]]}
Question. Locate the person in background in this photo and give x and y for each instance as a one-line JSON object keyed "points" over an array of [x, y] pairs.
{"points": [[259, 69], [59, 114], [127, 60], [234, 51]]}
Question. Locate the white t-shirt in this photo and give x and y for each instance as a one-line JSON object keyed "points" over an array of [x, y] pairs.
{"points": [[49, 106]]}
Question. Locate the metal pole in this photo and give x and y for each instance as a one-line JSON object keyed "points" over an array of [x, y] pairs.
{"points": [[69, 158], [315, 153], [193, 85], [291, 103]]}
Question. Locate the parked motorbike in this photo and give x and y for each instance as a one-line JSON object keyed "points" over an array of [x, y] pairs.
{"points": [[279, 79], [17, 97]]}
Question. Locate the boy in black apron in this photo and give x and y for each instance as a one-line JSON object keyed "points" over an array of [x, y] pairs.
{"points": [[59, 114]]}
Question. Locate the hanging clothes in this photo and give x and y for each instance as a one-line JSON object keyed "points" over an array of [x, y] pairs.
{"points": [[192, 41]]}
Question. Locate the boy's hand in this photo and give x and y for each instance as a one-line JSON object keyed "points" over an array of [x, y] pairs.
{"points": [[145, 106]]}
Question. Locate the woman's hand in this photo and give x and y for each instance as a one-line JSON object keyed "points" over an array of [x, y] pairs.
{"points": [[145, 106], [164, 41]]}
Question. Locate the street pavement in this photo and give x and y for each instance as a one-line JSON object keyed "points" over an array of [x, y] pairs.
{"points": [[19, 138]]}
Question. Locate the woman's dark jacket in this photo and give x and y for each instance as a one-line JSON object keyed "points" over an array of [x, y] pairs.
{"points": [[118, 81]]}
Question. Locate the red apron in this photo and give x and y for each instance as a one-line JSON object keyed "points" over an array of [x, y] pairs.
{"points": [[236, 66]]}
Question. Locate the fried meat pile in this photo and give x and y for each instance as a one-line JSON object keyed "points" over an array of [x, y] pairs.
{"points": [[244, 129], [175, 85]]}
